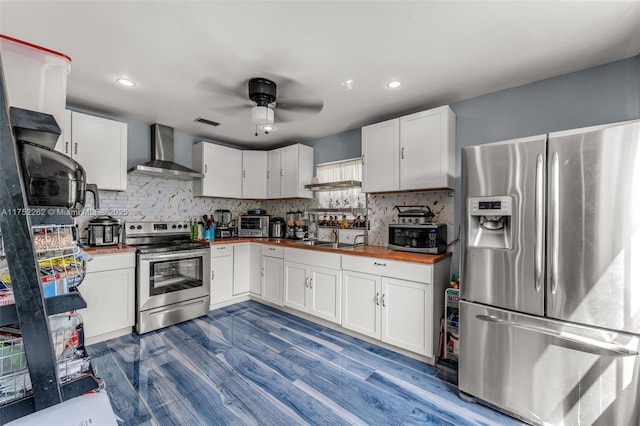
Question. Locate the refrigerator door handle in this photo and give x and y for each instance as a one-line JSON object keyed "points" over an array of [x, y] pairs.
{"points": [[610, 348], [554, 219], [539, 222]]}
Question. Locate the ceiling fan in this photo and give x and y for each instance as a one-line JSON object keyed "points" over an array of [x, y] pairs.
{"points": [[266, 109]]}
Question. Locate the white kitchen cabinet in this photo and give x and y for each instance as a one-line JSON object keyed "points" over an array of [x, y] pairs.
{"points": [[393, 301], [274, 174], [99, 145], [254, 174], [289, 169], [222, 169], [272, 274], [109, 290], [381, 156], [246, 268], [413, 152], [221, 273], [407, 310], [312, 283], [361, 303]]}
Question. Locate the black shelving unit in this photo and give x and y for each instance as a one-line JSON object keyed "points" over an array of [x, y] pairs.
{"points": [[31, 309]]}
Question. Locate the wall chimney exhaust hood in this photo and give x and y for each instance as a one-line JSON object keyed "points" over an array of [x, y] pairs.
{"points": [[161, 164]]}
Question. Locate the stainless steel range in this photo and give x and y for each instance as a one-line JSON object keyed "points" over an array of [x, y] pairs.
{"points": [[171, 283]]}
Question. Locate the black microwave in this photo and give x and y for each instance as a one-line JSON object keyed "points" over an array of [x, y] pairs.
{"points": [[427, 238]]}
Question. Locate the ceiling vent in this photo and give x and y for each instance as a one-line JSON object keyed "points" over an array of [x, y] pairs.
{"points": [[205, 121]]}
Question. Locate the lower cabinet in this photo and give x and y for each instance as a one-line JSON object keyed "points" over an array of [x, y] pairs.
{"points": [[247, 259], [109, 290], [313, 289], [397, 311], [272, 272], [221, 273]]}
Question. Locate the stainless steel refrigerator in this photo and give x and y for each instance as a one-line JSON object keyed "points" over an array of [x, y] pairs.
{"points": [[550, 276]]}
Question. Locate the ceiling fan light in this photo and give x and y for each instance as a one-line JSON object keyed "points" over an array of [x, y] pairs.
{"points": [[261, 115]]}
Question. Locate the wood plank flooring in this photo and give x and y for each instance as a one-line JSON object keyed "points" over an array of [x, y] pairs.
{"points": [[249, 364]]}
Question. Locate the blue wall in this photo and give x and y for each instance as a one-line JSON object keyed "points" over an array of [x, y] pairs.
{"points": [[340, 146]]}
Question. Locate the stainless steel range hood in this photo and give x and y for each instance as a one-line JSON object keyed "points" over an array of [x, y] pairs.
{"points": [[161, 164]]}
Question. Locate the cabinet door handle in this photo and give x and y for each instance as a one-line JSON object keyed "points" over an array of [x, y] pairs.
{"points": [[221, 248], [272, 249], [66, 147], [363, 159], [244, 174], [281, 172], [213, 275], [267, 174], [379, 264], [383, 305], [75, 148], [205, 169], [376, 299], [402, 153], [262, 272], [310, 282]]}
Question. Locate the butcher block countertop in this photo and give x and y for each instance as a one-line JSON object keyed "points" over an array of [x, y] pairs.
{"points": [[120, 248], [363, 250]]}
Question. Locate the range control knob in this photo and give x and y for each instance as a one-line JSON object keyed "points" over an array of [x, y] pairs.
{"points": [[139, 227], [416, 220], [132, 227], [179, 226], [174, 227]]}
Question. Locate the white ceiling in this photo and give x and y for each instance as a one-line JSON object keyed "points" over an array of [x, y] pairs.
{"points": [[184, 55]]}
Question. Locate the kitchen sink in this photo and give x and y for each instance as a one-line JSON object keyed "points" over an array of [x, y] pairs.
{"points": [[329, 244], [308, 242]]}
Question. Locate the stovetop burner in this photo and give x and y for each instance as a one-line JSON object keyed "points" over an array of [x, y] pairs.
{"points": [[157, 237]]}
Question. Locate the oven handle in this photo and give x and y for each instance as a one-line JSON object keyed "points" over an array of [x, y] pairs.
{"points": [[179, 255]]}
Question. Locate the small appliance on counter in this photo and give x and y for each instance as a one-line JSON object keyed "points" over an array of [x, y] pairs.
{"points": [[253, 226], [416, 232], [223, 220], [277, 227], [297, 227], [103, 231]]}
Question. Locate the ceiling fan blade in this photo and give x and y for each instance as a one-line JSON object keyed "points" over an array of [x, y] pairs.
{"points": [[310, 106], [283, 116], [210, 84]]}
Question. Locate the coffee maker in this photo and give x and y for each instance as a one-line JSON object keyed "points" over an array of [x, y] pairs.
{"points": [[297, 227], [223, 220]]}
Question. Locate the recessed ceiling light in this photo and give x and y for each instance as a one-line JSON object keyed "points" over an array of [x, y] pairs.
{"points": [[348, 84], [393, 84], [125, 82]]}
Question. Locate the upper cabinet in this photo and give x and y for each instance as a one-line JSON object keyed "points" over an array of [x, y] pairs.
{"points": [[221, 167], [99, 145], [289, 169], [414, 152], [254, 174], [232, 173]]}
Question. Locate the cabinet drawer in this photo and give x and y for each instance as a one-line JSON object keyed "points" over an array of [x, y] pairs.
{"points": [[313, 258], [107, 262], [221, 250], [273, 251], [411, 271]]}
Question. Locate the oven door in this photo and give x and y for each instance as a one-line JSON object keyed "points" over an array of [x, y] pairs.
{"points": [[166, 278]]}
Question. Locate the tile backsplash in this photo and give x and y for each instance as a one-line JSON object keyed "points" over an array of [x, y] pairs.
{"points": [[150, 198]]}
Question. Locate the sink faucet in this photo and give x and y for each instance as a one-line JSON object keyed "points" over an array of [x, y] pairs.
{"points": [[335, 235], [355, 240]]}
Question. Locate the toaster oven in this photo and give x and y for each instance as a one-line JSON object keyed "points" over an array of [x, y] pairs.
{"points": [[253, 226], [422, 238]]}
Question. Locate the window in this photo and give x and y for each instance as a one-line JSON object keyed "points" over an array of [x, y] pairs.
{"points": [[337, 172]]}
